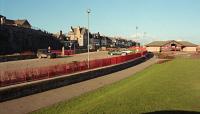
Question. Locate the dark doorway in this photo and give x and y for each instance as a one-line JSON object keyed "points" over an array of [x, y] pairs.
{"points": [[173, 47]]}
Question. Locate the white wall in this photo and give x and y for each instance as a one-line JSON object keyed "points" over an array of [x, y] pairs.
{"points": [[190, 49], [153, 49]]}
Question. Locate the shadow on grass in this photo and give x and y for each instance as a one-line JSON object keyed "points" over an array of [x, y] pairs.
{"points": [[172, 112]]}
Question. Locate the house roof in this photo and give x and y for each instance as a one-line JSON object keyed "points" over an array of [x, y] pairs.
{"points": [[188, 44], [157, 43], [21, 22], [70, 33], [161, 43], [18, 22], [8, 21], [83, 30], [1, 16]]}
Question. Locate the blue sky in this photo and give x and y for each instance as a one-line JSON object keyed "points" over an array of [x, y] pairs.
{"points": [[159, 19]]}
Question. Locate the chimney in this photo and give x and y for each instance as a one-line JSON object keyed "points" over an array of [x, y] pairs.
{"points": [[72, 28], [60, 32], [2, 20]]}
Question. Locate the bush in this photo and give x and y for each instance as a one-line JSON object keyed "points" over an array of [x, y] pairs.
{"points": [[165, 56]]}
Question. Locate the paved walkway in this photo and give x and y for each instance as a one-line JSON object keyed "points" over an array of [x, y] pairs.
{"points": [[34, 102]]}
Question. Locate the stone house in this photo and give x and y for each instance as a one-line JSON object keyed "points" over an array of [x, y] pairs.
{"points": [[20, 23], [80, 34], [171, 45]]}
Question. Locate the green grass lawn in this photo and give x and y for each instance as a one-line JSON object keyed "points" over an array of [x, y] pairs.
{"points": [[163, 87]]}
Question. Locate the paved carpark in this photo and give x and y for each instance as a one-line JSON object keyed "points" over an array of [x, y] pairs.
{"points": [[34, 63]]}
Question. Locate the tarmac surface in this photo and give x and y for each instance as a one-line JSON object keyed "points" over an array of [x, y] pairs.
{"points": [[35, 63]]}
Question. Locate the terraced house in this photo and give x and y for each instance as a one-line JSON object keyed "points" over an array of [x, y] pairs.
{"points": [[171, 45]]}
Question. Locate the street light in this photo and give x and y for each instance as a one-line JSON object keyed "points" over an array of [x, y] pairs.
{"points": [[88, 12], [144, 35], [136, 35], [74, 39]]}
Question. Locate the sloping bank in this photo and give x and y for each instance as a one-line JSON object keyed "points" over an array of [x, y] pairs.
{"points": [[24, 89]]}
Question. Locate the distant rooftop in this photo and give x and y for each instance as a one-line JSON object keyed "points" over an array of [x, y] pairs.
{"points": [[161, 43], [19, 22]]}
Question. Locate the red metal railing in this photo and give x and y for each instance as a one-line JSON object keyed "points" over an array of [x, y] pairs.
{"points": [[26, 75]]}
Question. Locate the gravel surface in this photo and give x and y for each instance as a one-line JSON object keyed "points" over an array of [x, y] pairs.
{"points": [[34, 102]]}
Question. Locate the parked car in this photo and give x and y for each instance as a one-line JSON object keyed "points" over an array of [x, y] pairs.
{"points": [[127, 51], [44, 53], [117, 52]]}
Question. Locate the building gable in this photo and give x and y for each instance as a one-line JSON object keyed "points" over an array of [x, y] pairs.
{"points": [[164, 43], [23, 23], [173, 42]]}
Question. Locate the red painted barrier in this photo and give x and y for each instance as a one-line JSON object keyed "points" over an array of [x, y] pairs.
{"points": [[14, 77]]}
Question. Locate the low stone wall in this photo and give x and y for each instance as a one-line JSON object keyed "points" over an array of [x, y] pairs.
{"points": [[44, 85]]}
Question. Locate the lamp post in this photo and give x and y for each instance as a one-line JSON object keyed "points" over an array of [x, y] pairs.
{"points": [[137, 35], [75, 40], [144, 35], [88, 46]]}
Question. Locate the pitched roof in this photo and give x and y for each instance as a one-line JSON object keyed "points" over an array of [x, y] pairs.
{"points": [[83, 30], [8, 21], [20, 22], [161, 43], [1, 16], [186, 43], [157, 43]]}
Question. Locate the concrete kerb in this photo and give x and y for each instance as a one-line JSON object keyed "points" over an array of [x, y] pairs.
{"points": [[16, 91]]}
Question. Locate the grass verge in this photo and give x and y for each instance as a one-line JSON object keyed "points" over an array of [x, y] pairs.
{"points": [[171, 86]]}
